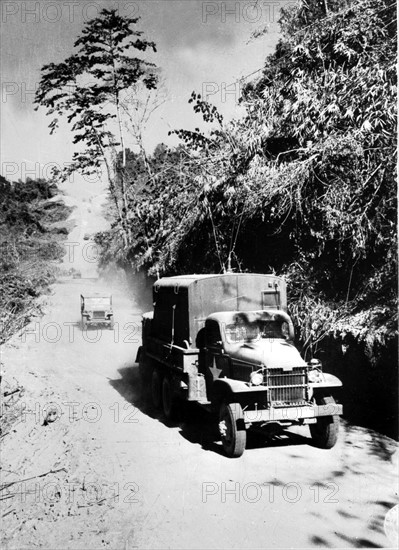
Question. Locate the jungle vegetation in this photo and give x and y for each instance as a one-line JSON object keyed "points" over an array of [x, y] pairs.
{"points": [[32, 229], [303, 185]]}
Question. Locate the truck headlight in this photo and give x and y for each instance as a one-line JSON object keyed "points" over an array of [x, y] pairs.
{"points": [[315, 376], [256, 378]]}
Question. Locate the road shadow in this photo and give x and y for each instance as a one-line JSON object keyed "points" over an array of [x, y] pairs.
{"points": [[375, 444], [332, 538], [91, 327], [194, 423], [128, 386], [283, 439], [202, 429]]}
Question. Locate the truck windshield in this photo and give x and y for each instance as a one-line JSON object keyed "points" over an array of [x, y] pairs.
{"points": [[252, 332], [97, 302]]}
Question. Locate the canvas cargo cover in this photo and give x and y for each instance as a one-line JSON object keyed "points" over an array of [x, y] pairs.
{"points": [[182, 303]]}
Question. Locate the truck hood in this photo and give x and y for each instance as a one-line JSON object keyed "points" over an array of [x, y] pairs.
{"points": [[273, 354]]}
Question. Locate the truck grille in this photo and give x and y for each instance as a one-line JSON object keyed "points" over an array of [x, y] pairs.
{"points": [[98, 314], [286, 387]]}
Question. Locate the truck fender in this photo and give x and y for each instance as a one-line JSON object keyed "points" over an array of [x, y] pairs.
{"points": [[228, 385], [329, 381]]}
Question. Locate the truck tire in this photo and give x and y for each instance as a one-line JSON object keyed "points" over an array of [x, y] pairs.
{"points": [[325, 431], [170, 402], [232, 429], [84, 323], [156, 388], [111, 323]]}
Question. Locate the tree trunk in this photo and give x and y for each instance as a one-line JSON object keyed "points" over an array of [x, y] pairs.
{"points": [[112, 189], [125, 208]]}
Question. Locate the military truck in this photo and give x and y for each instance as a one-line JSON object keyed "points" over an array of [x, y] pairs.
{"points": [[226, 343], [96, 309]]}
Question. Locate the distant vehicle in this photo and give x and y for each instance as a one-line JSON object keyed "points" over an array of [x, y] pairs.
{"points": [[86, 237], [96, 309], [74, 273], [226, 343]]}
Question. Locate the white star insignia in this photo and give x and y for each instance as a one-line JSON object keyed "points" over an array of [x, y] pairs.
{"points": [[214, 370]]}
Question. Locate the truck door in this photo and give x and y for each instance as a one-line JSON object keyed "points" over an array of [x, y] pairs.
{"points": [[217, 363]]}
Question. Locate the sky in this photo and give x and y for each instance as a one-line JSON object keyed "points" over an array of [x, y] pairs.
{"points": [[206, 46]]}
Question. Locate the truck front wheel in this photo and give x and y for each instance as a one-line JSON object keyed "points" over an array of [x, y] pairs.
{"points": [[232, 429], [325, 432], [156, 388], [84, 323]]}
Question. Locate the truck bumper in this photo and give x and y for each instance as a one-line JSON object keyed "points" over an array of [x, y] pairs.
{"points": [[291, 413]]}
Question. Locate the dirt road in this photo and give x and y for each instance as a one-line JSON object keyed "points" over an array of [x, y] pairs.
{"points": [[107, 473]]}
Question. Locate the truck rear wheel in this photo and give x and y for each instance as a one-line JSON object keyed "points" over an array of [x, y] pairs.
{"points": [[232, 429], [156, 388], [325, 432], [170, 402]]}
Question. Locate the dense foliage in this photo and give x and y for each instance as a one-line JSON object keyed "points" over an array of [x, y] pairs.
{"points": [[303, 185], [30, 242]]}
